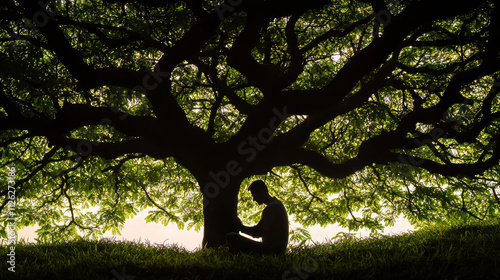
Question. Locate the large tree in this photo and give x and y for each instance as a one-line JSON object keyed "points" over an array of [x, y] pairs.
{"points": [[354, 112]]}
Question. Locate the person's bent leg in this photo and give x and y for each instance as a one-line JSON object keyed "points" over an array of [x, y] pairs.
{"points": [[231, 240]]}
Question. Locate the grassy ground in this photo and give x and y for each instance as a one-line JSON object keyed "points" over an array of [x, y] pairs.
{"points": [[466, 252]]}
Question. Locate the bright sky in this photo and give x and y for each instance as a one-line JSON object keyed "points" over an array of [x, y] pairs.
{"points": [[137, 229]]}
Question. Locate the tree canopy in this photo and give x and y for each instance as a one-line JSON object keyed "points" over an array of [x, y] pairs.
{"points": [[354, 112]]}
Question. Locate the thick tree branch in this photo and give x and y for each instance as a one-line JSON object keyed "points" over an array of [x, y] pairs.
{"points": [[264, 76], [366, 60]]}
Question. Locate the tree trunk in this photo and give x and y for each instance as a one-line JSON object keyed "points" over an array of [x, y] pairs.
{"points": [[219, 176], [220, 213]]}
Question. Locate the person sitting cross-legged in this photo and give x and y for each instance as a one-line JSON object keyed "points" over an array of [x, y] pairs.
{"points": [[272, 227]]}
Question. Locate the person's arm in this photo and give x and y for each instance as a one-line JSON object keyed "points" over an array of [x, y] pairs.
{"points": [[264, 224], [254, 231]]}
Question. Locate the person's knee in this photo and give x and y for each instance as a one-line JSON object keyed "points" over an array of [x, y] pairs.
{"points": [[232, 236]]}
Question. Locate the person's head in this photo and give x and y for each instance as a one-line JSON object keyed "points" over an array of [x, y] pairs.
{"points": [[259, 191]]}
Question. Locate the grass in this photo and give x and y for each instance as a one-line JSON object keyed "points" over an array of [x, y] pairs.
{"points": [[457, 252]]}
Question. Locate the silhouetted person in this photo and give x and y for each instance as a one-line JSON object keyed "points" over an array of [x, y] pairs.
{"points": [[272, 227]]}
